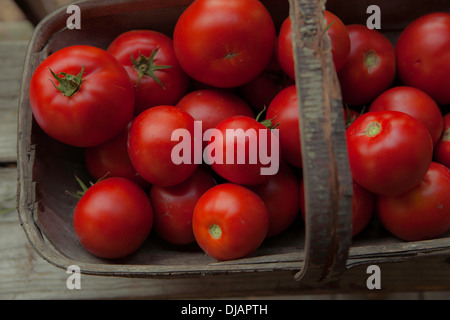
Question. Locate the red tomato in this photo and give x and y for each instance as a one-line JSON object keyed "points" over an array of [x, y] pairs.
{"points": [[414, 102], [149, 58], [224, 43], [389, 151], [370, 68], [422, 213], [339, 38], [241, 148], [423, 55], [150, 145], [76, 105], [281, 196], [284, 112], [442, 148], [110, 159], [212, 106], [113, 218], [173, 207], [230, 221], [363, 202]]}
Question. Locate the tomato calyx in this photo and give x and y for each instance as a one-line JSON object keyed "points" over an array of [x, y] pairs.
{"points": [[146, 66], [215, 231], [80, 193], [268, 123], [446, 135], [68, 84], [371, 60], [373, 128]]}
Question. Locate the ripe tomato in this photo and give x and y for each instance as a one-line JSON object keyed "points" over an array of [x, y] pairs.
{"points": [[173, 207], [149, 58], [414, 102], [241, 148], [230, 221], [423, 55], [389, 151], [113, 218], [150, 145], [363, 202], [370, 68], [212, 106], [281, 196], [423, 212], [111, 159], [339, 38], [224, 43], [283, 110], [75, 104], [442, 148]]}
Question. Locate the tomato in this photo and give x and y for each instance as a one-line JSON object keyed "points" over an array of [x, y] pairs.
{"points": [[173, 207], [389, 151], [423, 212], [230, 221], [76, 105], [113, 218], [370, 68], [224, 43], [284, 112], [212, 106], [339, 38], [149, 58], [442, 148], [414, 102], [281, 196], [241, 149], [150, 145], [423, 55], [363, 202], [110, 159]]}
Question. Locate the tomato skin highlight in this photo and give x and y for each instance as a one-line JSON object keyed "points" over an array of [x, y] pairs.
{"points": [[94, 113], [423, 212], [113, 218], [230, 221], [389, 151], [224, 43]]}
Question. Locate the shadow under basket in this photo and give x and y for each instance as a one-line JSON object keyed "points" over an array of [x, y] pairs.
{"points": [[319, 250]]}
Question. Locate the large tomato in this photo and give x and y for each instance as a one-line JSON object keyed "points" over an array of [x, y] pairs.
{"points": [[339, 38], [423, 55], [71, 96], [389, 151], [173, 207], [113, 218], [281, 196], [224, 43], [284, 113], [230, 221], [414, 102], [370, 68], [442, 148], [423, 212], [111, 159], [241, 149], [150, 145], [150, 61]]}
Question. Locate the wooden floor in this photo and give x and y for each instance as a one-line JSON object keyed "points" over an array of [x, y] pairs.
{"points": [[25, 275]]}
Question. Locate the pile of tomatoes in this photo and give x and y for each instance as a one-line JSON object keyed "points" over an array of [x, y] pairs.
{"points": [[226, 68]]}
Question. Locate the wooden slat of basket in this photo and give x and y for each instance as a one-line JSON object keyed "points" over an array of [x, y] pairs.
{"points": [[328, 183]]}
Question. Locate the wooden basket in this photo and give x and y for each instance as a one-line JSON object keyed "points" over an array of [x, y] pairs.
{"points": [[319, 251]]}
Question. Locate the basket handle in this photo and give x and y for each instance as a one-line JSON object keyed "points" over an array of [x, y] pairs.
{"points": [[326, 173]]}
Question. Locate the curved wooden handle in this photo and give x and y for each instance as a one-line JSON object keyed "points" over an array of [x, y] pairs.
{"points": [[326, 173]]}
